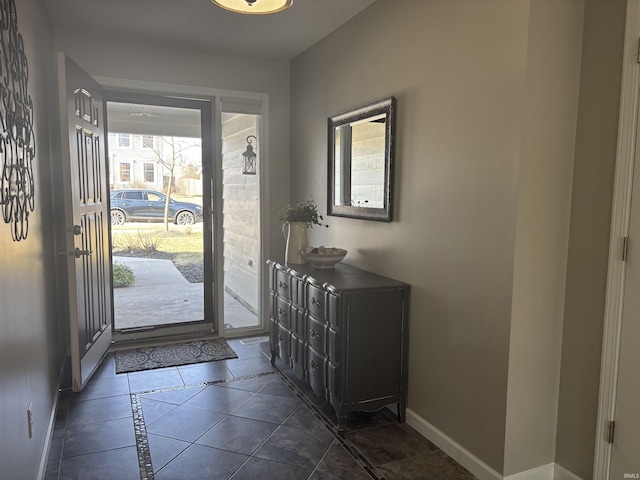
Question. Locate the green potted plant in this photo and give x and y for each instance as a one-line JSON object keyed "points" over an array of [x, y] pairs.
{"points": [[306, 212], [297, 218]]}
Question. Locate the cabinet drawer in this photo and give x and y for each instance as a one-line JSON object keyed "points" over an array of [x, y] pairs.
{"points": [[316, 335], [283, 284], [283, 312], [284, 345], [317, 303], [332, 383], [332, 346], [298, 356], [298, 322], [316, 372]]}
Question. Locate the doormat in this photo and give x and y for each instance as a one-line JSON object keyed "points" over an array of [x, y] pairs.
{"points": [[174, 355]]}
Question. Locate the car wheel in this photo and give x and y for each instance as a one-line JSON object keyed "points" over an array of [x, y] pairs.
{"points": [[185, 218], [118, 217]]}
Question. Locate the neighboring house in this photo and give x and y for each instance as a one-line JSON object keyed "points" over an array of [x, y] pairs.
{"points": [[507, 128], [143, 161]]}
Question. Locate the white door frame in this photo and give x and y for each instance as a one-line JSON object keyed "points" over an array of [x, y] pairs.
{"points": [[625, 159], [215, 95]]}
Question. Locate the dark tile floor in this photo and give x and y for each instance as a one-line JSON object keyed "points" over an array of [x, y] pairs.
{"points": [[235, 419]]}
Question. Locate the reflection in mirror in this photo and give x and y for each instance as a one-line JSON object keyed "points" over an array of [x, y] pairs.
{"points": [[360, 161]]}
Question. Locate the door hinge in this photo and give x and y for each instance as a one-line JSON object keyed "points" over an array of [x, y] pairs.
{"points": [[625, 248], [610, 431]]}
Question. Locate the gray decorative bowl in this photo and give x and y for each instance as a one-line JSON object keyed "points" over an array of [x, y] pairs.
{"points": [[323, 257]]}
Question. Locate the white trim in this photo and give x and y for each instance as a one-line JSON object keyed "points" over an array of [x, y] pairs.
{"points": [[48, 440], [561, 473], [176, 89], [476, 466], [619, 229], [449, 446], [216, 95], [543, 472]]}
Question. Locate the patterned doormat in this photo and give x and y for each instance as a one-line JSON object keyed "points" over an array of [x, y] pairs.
{"points": [[148, 358]]}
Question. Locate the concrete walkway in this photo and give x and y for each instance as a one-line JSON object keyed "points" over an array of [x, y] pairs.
{"points": [[161, 295]]}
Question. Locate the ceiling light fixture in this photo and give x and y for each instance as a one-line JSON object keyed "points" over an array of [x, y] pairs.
{"points": [[254, 7]]}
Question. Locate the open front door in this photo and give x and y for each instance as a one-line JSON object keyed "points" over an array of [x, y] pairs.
{"points": [[87, 219]]}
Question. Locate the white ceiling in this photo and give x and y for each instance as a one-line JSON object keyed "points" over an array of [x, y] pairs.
{"points": [[201, 25]]}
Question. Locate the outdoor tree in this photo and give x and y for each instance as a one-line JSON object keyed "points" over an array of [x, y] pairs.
{"points": [[171, 154]]}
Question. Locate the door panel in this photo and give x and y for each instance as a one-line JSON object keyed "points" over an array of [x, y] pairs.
{"points": [[625, 462], [86, 219]]}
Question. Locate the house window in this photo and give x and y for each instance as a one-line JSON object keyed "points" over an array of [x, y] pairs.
{"points": [[149, 172], [147, 141], [125, 172], [124, 140]]}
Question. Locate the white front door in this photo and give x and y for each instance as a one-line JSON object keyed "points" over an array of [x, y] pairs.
{"points": [[87, 219]]}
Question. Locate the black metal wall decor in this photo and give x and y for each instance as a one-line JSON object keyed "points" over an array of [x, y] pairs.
{"points": [[17, 139]]}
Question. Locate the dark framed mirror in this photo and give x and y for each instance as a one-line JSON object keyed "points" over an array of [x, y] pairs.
{"points": [[361, 157]]}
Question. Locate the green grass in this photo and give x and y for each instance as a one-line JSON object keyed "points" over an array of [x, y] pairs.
{"points": [[152, 237]]}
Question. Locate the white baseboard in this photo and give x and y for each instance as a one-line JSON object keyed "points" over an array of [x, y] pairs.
{"points": [[543, 472], [476, 466], [449, 446], [42, 470], [561, 473]]}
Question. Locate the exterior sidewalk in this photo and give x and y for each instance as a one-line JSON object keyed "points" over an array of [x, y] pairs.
{"points": [[161, 295]]}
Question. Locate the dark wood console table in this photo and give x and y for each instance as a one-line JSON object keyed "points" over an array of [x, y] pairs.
{"points": [[344, 331]]}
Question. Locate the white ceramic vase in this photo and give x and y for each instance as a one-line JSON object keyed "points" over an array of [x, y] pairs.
{"points": [[295, 234]]}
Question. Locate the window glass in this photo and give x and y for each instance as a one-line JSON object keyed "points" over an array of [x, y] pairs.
{"points": [[147, 141], [133, 195], [155, 197], [124, 140], [125, 172], [149, 172]]}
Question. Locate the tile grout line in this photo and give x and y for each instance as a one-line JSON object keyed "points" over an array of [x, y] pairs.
{"points": [[345, 442], [140, 428], [142, 440]]}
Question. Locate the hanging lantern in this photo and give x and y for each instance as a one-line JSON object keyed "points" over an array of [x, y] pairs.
{"points": [[249, 158]]}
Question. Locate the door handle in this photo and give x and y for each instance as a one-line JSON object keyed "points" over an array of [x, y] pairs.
{"points": [[79, 253], [76, 253]]}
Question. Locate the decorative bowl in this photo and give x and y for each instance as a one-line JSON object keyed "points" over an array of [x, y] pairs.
{"points": [[323, 257]]}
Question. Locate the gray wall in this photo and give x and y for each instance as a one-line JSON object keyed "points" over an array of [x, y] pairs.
{"points": [[488, 101], [468, 130], [593, 179], [31, 340]]}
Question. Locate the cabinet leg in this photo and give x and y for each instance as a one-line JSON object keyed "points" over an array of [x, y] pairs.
{"points": [[273, 357], [340, 424], [402, 412]]}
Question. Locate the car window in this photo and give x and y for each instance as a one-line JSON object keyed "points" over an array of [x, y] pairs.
{"points": [[116, 195], [155, 197], [132, 195]]}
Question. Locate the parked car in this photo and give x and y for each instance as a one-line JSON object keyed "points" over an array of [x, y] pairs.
{"points": [[148, 205]]}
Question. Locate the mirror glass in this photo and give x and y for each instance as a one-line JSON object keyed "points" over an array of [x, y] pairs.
{"points": [[361, 161]]}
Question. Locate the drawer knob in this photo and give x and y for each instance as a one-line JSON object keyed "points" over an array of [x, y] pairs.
{"points": [[315, 302], [314, 366], [283, 285], [282, 313], [313, 333]]}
